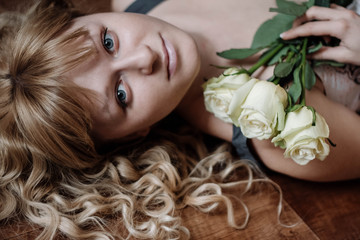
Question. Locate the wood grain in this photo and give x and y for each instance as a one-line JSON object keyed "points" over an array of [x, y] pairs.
{"points": [[331, 210], [321, 210], [263, 222]]}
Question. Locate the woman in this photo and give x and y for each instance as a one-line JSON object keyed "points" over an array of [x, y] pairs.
{"points": [[51, 171], [224, 35], [73, 87]]}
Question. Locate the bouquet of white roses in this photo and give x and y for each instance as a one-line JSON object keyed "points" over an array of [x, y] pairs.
{"points": [[264, 109], [259, 109]]}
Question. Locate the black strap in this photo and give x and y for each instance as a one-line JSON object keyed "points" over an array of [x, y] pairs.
{"points": [[142, 6], [239, 141]]}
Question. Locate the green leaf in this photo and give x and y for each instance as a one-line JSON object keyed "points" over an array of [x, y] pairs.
{"points": [[270, 30], [295, 88], [315, 48], [328, 62], [314, 115], [272, 78], [322, 3], [280, 144], [294, 108], [283, 69], [238, 53], [277, 58], [293, 48], [309, 3], [289, 8], [292, 12], [290, 103], [298, 59], [266, 57], [310, 78], [271, 47]]}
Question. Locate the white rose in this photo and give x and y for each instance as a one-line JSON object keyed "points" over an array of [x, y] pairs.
{"points": [[219, 91], [304, 142], [261, 114]]}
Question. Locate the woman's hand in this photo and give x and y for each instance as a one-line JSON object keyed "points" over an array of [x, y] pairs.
{"points": [[335, 21]]}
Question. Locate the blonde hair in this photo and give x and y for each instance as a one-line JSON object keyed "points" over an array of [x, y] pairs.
{"points": [[50, 171]]}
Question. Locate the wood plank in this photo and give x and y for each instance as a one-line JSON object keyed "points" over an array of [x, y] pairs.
{"points": [[263, 222], [331, 210]]}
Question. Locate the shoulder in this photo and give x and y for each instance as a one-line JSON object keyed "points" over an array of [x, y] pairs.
{"points": [[120, 6]]}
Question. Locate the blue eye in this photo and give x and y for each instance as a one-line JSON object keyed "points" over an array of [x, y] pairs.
{"points": [[108, 41], [121, 95]]}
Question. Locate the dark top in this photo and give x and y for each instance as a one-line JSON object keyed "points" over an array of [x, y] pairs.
{"points": [[143, 6], [239, 141]]}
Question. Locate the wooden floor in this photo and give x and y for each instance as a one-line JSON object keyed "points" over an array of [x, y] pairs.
{"points": [[319, 210], [330, 210]]}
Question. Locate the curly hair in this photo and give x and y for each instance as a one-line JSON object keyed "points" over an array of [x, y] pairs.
{"points": [[50, 170]]}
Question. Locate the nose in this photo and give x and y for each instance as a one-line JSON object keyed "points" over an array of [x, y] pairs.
{"points": [[141, 59]]}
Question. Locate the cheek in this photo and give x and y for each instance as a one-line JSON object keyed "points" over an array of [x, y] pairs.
{"points": [[152, 106], [159, 105]]}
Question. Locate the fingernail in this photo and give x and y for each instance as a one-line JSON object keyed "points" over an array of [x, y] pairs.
{"points": [[282, 35]]}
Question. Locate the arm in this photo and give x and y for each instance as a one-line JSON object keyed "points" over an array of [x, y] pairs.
{"points": [[195, 113], [343, 161], [337, 22]]}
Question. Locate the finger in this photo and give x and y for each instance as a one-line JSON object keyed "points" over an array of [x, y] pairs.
{"points": [[339, 54], [325, 53], [310, 15], [335, 6], [300, 20], [324, 13], [321, 28]]}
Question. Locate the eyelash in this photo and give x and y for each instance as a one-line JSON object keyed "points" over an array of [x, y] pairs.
{"points": [[105, 38], [121, 95]]}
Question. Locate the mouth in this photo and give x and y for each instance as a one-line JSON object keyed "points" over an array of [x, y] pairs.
{"points": [[170, 57]]}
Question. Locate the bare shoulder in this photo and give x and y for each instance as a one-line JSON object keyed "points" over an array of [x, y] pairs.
{"points": [[120, 6]]}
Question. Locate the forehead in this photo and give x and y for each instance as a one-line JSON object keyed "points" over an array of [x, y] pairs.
{"points": [[101, 18], [87, 71], [86, 23], [118, 19]]}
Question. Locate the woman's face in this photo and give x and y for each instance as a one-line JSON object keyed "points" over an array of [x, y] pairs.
{"points": [[142, 69]]}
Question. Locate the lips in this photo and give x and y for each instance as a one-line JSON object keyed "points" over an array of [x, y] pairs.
{"points": [[170, 57]]}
